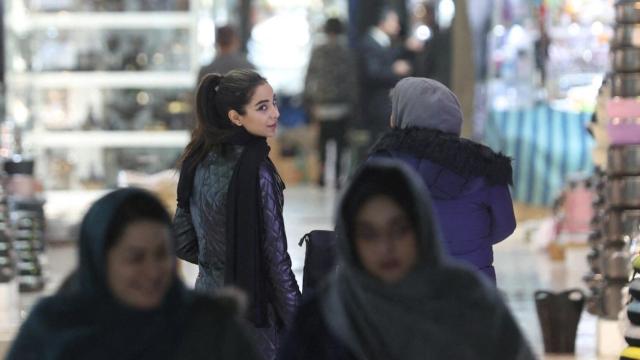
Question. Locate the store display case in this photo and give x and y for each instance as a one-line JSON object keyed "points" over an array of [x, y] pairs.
{"points": [[94, 86], [547, 62], [616, 226], [556, 52], [578, 54]]}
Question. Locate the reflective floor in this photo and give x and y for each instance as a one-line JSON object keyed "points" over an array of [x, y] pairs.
{"points": [[521, 269]]}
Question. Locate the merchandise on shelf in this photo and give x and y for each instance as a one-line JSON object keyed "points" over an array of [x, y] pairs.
{"points": [[107, 50], [556, 51], [108, 5], [578, 54], [616, 226], [105, 77], [7, 259], [542, 89], [26, 222]]}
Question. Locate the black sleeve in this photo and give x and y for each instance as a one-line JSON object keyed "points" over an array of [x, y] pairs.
{"points": [[510, 343], [284, 287], [237, 343], [294, 344], [29, 344], [186, 239], [213, 331], [309, 337]]}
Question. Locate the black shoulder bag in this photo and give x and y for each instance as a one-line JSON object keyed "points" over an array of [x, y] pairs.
{"points": [[319, 260]]}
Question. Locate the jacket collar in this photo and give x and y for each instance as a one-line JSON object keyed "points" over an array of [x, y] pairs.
{"points": [[461, 156], [380, 37]]}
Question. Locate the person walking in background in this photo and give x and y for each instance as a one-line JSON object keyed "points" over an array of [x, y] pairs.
{"points": [[434, 61], [228, 55], [381, 67], [230, 201], [330, 93], [396, 295], [126, 301], [468, 181]]}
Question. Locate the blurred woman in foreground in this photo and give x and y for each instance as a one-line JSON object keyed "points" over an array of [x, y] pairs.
{"points": [[395, 295], [125, 300]]}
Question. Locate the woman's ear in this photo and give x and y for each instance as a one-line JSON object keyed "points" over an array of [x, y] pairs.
{"points": [[234, 116]]}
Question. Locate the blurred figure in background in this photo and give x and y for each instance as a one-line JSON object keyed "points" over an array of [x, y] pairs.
{"points": [[330, 93], [395, 295], [448, 55], [381, 66], [230, 202], [468, 181], [541, 46], [434, 61], [228, 54], [125, 300]]}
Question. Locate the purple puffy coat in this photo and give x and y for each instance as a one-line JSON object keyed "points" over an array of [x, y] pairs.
{"points": [[469, 185]]}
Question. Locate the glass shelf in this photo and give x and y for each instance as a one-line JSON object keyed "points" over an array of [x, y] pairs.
{"points": [[97, 86]]}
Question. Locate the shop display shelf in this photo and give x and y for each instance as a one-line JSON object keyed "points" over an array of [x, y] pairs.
{"points": [[107, 139], [619, 107], [92, 65], [624, 131], [110, 20], [104, 79]]}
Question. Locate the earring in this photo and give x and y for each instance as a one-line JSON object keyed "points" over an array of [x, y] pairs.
{"points": [[238, 123]]}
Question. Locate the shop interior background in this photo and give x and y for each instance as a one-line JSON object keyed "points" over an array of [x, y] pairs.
{"points": [[99, 94]]}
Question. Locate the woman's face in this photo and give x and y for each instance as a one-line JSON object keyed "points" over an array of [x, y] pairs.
{"points": [[140, 266], [261, 114], [385, 239]]}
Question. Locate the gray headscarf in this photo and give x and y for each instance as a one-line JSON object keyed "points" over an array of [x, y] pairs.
{"points": [[423, 315], [425, 103]]}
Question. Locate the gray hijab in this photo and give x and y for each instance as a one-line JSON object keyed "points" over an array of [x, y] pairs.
{"points": [[438, 311], [427, 104]]}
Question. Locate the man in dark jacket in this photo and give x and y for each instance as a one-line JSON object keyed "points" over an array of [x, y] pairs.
{"points": [[228, 55], [330, 93], [381, 67]]}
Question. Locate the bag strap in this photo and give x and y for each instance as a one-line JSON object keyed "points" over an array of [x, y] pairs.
{"points": [[303, 239]]}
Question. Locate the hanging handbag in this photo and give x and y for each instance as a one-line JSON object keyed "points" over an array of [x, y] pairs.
{"points": [[319, 260]]}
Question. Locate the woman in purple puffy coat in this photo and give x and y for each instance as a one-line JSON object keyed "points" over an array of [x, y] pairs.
{"points": [[469, 182]]}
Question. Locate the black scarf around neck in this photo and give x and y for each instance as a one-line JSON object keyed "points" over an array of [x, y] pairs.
{"points": [[185, 183], [462, 156], [243, 267]]}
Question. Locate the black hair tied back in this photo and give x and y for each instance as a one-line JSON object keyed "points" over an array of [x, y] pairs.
{"points": [[216, 95], [206, 104]]}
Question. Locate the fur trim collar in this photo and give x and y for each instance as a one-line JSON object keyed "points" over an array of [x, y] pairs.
{"points": [[462, 156]]}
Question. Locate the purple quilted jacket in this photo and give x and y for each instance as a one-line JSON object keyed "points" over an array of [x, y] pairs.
{"points": [[474, 211]]}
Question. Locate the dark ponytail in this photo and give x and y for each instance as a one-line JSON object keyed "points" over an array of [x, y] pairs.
{"points": [[215, 97]]}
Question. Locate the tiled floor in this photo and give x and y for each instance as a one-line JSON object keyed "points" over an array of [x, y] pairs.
{"points": [[521, 269]]}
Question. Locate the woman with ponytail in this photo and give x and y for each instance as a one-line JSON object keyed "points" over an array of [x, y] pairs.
{"points": [[229, 217]]}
